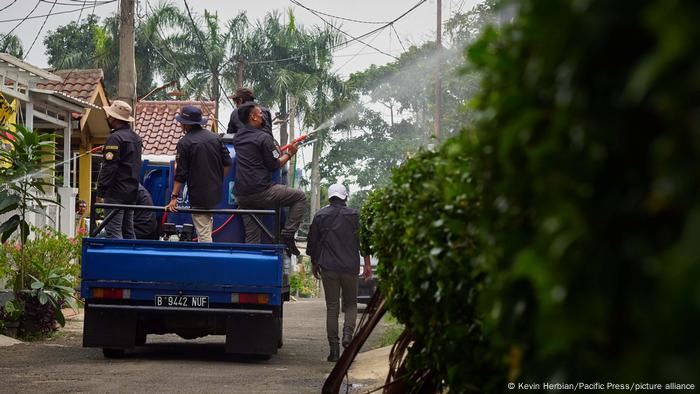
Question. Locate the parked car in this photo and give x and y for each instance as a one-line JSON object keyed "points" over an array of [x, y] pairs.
{"points": [[367, 287]]}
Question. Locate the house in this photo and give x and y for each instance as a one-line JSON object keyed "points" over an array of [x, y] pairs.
{"points": [[45, 104]]}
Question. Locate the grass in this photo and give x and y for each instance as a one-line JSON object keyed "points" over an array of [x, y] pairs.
{"points": [[392, 331]]}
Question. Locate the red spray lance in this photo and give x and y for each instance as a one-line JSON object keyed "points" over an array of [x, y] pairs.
{"points": [[300, 139]]}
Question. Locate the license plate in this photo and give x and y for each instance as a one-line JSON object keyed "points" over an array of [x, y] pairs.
{"points": [[182, 301]]}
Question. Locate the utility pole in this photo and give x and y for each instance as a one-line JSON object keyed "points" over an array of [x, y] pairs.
{"points": [[241, 64], [127, 60], [438, 82]]}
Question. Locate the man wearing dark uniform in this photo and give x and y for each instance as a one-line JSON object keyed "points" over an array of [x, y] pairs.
{"points": [[334, 247], [202, 161], [241, 97], [257, 156], [118, 182]]}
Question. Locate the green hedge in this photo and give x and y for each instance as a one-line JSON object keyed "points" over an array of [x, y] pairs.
{"points": [[566, 247]]}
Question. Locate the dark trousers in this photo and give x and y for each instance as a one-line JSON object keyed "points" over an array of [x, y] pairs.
{"points": [[121, 226], [336, 283], [276, 196]]}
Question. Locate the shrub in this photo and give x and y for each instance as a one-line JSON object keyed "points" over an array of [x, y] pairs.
{"points": [[565, 248]]}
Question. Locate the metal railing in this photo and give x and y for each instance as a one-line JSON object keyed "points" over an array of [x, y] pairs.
{"points": [[254, 213]]}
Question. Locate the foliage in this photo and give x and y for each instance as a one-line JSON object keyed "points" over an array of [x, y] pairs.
{"points": [[392, 115], [564, 248], [303, 283], [428, 273], [588, 192], [11, 44], [51, 249], [23, 181], [52, 287]]}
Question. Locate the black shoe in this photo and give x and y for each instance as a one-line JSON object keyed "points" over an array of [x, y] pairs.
{"points": [[291, 245], [347, 338], [335, 353]]}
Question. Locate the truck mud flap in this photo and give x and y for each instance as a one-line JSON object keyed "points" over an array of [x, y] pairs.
{"points": [[109, 328], [255, 334]]}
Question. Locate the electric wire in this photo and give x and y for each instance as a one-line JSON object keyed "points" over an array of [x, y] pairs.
{"points": [[201, 42], [350, 19], [358, 38], [22, 20], [8, 6], [40, 29], [176, 67]]}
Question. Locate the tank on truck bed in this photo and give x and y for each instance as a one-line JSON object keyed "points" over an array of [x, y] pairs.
{"points": [[133, 288]]}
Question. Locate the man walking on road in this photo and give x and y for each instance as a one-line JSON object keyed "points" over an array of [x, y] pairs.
{"points": [[202, 161], [257, 156], [334, 247], [118, 182]]}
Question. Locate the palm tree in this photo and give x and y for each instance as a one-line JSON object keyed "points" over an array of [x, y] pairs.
{"points": [[10, 43]]}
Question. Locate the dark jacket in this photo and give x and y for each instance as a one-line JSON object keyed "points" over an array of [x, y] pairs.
{"points": [[257, 155], [145, 222], [235, 123], [121, 166], [333, 241], [201, 158]]}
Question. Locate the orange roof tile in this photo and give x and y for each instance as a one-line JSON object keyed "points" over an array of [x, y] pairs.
{"points": [[156, 124], [76, 83]]}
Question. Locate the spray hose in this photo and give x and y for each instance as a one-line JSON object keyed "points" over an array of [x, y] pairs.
{"points": [[299, 139]]}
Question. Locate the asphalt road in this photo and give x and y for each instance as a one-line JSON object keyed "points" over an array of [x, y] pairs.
{"points": [[170, 364]]}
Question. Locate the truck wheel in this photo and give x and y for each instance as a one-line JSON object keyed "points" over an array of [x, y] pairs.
{"points": [[280, 342], [140, 339], [113, 353]]}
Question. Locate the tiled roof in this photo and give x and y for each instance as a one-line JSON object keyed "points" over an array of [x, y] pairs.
{"points": [[76, 83], [156, 124]]}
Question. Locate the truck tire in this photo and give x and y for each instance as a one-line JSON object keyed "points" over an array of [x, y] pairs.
{"points": [[113, 353], [140, 338], [280, 342]]}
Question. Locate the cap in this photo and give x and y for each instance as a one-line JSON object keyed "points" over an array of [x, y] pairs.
{"points": [[338, 190]]}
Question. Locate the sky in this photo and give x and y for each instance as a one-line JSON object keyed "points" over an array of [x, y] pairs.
{"points": [[415, 28]]}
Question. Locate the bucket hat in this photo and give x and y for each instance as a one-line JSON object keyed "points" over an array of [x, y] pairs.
{"points": [[119, 110]]}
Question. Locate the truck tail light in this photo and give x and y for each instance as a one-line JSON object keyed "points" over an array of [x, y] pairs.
{"points": [[250, 298], [115, 294]]}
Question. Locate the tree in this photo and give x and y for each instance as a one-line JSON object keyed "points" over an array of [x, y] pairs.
{"points": [[12, 45]]}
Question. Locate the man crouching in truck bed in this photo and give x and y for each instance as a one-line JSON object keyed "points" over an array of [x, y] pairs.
{"points": [[257, 155], [202, 161]]}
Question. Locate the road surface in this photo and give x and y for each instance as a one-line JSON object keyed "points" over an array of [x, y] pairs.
{"points": [[170, 364]]}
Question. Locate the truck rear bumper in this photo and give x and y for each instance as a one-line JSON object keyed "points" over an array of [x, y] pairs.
{"points": [[248, 331]]}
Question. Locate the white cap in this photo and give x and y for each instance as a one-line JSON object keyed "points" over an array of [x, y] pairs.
{"points": [[339, 191]]}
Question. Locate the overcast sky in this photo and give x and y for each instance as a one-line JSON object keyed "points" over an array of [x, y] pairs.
{"points": [[416, 27]]}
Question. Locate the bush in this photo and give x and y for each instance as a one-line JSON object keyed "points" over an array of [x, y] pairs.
{"points": [[422, 230], [566, 248]]}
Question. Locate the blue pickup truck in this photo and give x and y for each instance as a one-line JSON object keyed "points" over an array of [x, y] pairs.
{"points": [[133, 288]]}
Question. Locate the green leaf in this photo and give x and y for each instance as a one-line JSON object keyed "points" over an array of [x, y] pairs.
{"points": [[37, 285], [9, 226], [42, 297]]}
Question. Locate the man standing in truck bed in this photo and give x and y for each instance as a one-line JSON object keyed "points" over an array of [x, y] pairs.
{"points": [[118, 182], [202, 162]]}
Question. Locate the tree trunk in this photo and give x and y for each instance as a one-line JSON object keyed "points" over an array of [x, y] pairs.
{"points": [[283, 116], [316, 177], [292, 114], [216, 95], [127, 60]]}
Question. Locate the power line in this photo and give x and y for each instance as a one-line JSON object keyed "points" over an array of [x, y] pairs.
{"points": [[357, 54], [22, 20], [77, 3], [40, 29], [175, 66], [350, 19], [8, 6], [397, 36], [359, 38]]}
